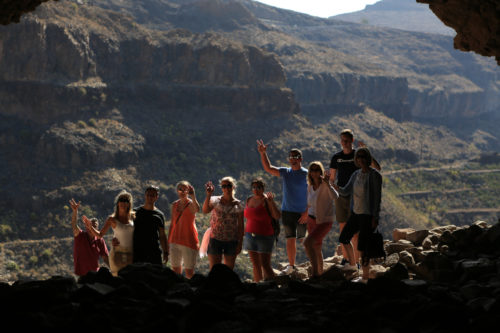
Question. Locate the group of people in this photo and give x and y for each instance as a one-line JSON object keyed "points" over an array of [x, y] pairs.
{"points": [[349, 193]]}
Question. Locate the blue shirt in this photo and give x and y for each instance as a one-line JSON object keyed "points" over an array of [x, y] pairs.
{"points": [[294, 189]]}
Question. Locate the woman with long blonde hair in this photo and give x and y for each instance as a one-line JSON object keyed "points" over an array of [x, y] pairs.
{"points": [[122, 223]]}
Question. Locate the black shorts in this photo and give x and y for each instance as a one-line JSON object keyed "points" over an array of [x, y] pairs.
{"points": [[361, 223], [217, 247], [293, 229]]}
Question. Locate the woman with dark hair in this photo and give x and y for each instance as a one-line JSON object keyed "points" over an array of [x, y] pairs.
{"points": [[183, 237], [121, 221], [320, 214], [365, 188], [259, 232], [226, 223]]}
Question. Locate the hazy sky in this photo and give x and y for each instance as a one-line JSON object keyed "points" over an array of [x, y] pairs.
{"points": [[321, 8]]}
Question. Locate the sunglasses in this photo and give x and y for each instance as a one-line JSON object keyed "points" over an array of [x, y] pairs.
{"points": [[123, 200], [315, 170], [226, 186], [257, 187], [294, 157]]}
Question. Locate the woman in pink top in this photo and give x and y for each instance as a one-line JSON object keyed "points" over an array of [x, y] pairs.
{"points": [[183, 236], [259, 232]]}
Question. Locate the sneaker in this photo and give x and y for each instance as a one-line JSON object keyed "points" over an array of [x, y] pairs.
{"points": [[288, 270], [348, 267], [357, 279]]}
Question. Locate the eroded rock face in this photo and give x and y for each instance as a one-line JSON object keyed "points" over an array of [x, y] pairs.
{"points": [[477, 24]]}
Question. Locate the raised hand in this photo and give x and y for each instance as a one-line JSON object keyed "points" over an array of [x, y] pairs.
{"points": [[261, 147], [191, 191], [269, 196], [326, 176], [209, 188], [74, 205], [361, 144]]}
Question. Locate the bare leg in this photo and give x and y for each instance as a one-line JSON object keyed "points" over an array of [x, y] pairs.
{"points": [[265, 259], [350, 253], [354, 242], [229, 261], [365, 268], [319, 256], [189, 272], [291, 250], [257, 265], [341, 227], [178, 270], [311, 253], [214, 259]]}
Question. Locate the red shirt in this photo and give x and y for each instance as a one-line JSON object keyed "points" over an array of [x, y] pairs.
{"points": [[183, 229], [86, 252], [258, 221]]}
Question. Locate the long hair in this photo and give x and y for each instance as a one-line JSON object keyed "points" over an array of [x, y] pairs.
{"points": [[130, 213], [312, 164]]}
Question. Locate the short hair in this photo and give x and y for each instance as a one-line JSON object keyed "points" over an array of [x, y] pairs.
{"points": [[94, 219], [152, 187], [230, 180], [366, 154], [315, 163], [182, 183], [347, 132], [296, 151], [259, 181]]}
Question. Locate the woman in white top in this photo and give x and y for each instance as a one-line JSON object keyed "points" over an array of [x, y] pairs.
{"points": [[121, 221], [320, 212], [365, 187]]}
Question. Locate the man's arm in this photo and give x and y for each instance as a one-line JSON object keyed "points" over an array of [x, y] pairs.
{"points": [[106, 260], [74, 217], [164, 244], [264, 159]]}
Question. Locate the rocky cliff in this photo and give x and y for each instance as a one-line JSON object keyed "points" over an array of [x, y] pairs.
{"points": [[476, 24]]}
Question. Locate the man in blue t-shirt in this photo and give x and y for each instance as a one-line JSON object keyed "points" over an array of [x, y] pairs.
{"points": [[294, 206]]}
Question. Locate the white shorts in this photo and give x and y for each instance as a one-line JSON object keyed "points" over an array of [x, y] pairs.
{"points": [[179, 254]]}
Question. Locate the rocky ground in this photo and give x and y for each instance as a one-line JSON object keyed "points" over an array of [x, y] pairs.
{"points": [[439, 280]]}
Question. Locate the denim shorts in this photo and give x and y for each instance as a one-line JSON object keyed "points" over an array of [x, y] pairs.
{"points": [[258, 243], [217, 247]]}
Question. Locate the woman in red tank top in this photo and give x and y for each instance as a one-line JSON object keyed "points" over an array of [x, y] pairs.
{"points": [[259, 233]]}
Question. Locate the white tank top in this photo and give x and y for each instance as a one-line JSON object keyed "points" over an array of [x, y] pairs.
{"points": [[124, 233]]}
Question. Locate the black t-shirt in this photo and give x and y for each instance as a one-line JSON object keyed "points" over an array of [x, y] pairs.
{"points": [[344, 163], [147, 224]]}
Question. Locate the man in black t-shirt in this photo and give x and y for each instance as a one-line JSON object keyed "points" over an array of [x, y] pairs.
{"points": [[341, 168], [150, 240]]}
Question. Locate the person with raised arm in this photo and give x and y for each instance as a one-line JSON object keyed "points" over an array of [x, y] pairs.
{"points": [[226, 223], [294, 205], [183, 236], [86, 247], [121, 221], [342, 166], [259, 239]]}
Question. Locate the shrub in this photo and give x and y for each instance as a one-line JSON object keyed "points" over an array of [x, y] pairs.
{"points": [[11, 266]]}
